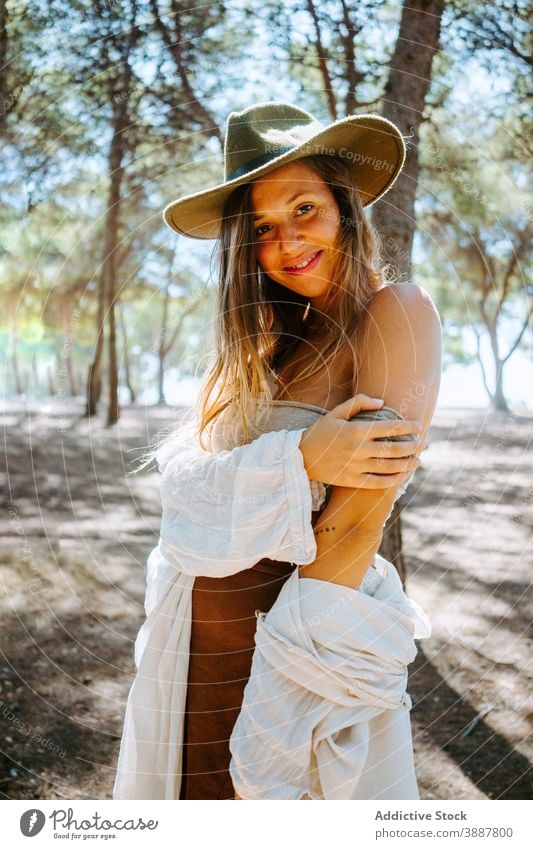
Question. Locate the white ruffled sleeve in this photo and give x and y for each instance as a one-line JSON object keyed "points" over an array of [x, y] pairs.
{"points": [[223, 512]]}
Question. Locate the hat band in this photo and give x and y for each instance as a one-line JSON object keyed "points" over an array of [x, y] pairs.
{"points": [[257, 162]]}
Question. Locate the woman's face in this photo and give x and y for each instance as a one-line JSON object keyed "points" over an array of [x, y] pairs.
{"points": [[296, 219]]}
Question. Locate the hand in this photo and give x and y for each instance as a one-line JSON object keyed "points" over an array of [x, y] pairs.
{"points": [[347, 453]]}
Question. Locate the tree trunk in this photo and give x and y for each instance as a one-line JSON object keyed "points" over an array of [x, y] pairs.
{"points": [[72, 376], [35, 372], [403, 103], [68, 345], [117, 151], [94, 381], [4, 102], [391, 544], [498, 401], [394, 217], [166, 344], [16, 369], [116, 173], [107, 279], [161, 380], [52, 389], [127, 370], [113, 411], [162, 342]]}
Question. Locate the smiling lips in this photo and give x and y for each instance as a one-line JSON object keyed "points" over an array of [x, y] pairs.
{"points": [[305, 265]]}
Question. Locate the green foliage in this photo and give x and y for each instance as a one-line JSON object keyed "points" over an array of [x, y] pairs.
{"points": [[475, 228], [172, 72]]}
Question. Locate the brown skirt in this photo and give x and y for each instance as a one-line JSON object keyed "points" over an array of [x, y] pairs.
{"points": [[222, 644]]}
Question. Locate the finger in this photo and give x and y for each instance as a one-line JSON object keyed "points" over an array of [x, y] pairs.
{"points": [[388, 448], [355, 405], [393, 429], [374, 481], [385, 466]]}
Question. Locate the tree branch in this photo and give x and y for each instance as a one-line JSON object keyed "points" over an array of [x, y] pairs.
{"points": [[353, 76], [173, 41], [187, 311], [519, 337], [516, 253], [322, 63], [482, 367]]}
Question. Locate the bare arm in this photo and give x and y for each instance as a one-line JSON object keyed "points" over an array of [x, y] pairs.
{"points": [[400, 358]]}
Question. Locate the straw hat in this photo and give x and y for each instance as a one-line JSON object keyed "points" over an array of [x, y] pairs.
{"points": [[267, 135]]}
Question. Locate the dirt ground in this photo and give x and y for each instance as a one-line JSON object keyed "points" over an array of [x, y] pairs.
{"points": [[75, 535]]}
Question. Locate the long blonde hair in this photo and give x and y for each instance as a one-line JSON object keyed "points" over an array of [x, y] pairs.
{"points": [[259, 322]]}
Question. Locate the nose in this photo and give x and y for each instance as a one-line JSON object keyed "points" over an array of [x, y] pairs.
{"points": [[291, 241]]}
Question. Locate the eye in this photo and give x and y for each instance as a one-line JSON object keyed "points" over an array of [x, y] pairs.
{"points": [[303, 206]]}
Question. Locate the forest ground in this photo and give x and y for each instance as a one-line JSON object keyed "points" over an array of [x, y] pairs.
{"points": [[76, 532]]}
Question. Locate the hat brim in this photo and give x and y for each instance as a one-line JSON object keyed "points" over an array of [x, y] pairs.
{"points": [[371, 146]]}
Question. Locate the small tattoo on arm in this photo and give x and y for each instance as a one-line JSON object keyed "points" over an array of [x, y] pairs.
{"points": [[321, 530]]}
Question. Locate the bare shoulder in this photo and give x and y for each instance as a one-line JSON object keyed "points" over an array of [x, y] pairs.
{"points": [[398, 317], [400, 350], [402, 300]]}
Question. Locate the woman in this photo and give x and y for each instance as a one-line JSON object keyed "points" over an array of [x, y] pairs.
{"points": [[291, 494]]}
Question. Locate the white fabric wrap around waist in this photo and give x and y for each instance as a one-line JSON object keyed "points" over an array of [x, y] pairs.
{"points": [[328, 659]]}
